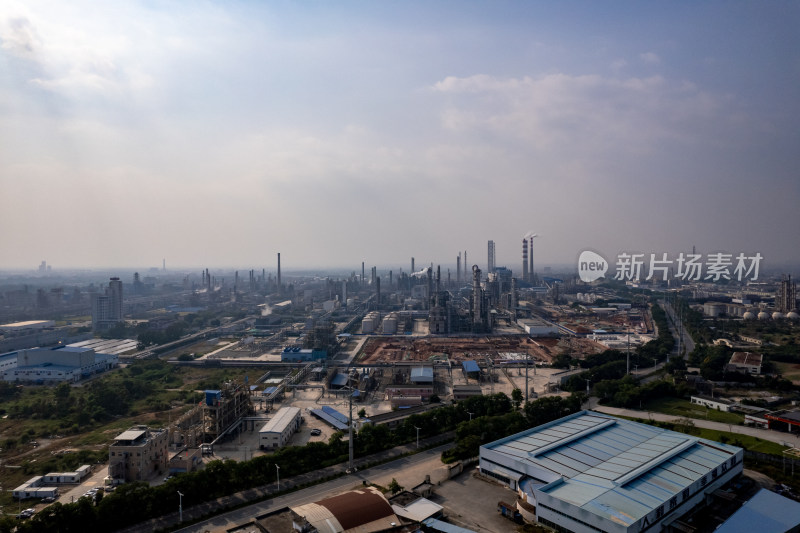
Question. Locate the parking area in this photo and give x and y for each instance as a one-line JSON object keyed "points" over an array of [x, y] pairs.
{"points": [[471, 502]]}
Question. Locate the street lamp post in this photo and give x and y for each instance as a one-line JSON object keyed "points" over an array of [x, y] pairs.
{"points": [[417, 436], [180, 506], [470, 415], [278, 470]]}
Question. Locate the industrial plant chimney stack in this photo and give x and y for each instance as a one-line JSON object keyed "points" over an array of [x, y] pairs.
{"points": [[430, 287], [524, 259], [279, 273], [458, 268], [412, 266], [530, 257], [477, 297], [378, 293]]}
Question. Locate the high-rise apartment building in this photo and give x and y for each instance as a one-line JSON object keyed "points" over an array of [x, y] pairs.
{"points": [[107, 307]]}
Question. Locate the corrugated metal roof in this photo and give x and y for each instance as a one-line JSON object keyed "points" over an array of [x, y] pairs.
{"points": [[470, 366], [335, 414], [284, 417], [319, 413], [621, 470], [766, 512]]}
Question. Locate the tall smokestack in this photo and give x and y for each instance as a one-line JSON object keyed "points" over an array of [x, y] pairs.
{"points": [[438, 283], [530, 256], [363, 272], [430, 286], [524, 259], [279, 273], [378, 293], [164, 264], [412, 265], [458, 268]]}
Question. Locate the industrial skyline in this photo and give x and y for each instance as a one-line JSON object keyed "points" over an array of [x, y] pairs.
{"points": [[222, 133]]}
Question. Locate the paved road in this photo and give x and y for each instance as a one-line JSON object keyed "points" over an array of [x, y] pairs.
{"points": [[686, 341], [429, 460], [765, 434]]}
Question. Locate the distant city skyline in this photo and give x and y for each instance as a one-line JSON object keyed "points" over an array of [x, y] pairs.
{"points": [[219, 134]]}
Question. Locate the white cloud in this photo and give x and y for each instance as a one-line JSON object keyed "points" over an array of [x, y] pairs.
{"points": [[650, 58]]}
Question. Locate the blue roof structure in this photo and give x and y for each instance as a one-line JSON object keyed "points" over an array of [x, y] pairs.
{"points": [[766, 512], [330, 420], [470, 367], [609, 473], [335, 414]]}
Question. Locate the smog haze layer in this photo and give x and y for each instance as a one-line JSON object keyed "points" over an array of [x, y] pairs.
{"points": [[221, 133]]}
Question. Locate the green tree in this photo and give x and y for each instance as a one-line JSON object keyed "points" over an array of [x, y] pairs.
{"points": [[362, 413], [394, 486], [516, 397]]}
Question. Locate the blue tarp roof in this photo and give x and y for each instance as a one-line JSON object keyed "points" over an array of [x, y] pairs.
{"points": [[766, 512], [335, 414], [470, 366], [269, 390], [325, 417]]}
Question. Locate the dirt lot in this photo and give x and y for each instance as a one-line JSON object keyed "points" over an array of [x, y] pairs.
{"points": [[388, 350]]}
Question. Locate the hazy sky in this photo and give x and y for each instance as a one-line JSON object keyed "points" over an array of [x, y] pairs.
{"points": [[220, 133]]}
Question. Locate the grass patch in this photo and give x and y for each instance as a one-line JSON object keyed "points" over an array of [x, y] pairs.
{"points": [[790, 371], [754, 444], [686, 409]]}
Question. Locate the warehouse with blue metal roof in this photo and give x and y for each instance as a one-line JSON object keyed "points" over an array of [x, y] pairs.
{"points": [[591, 472]]}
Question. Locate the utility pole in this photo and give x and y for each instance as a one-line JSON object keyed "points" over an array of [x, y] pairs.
{"points": [[278, 471], [527, 388], [628, 358], [351, 470], [415, 427], [180, 506]]}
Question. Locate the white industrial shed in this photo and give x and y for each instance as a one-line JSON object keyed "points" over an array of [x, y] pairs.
{"points": [[591, 472], [277, 432]]}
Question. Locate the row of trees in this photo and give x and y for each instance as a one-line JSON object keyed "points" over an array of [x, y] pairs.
{"points": [[135, 502]]}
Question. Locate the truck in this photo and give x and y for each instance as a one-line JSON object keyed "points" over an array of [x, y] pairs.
{"points": [[509, 511]]}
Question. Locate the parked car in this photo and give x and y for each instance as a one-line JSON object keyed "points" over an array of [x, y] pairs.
{"points": [[48, 499], [315, 432]]}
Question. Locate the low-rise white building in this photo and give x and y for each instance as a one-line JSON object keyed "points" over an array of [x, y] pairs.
{"points": [[35, 488], [745, 363], [277, 432], [720, 404]]}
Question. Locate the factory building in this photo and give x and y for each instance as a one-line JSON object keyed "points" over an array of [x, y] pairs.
{"points": [[137, 454], [296, 354], [277, 432], [591, 472], [364, 510], [63, 363]]}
